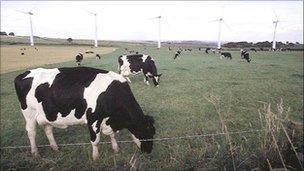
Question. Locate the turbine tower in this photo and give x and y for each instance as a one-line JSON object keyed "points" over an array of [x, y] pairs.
{"points": [[31, 26], [159, 31], [220, 20], [95, 17], [275, 30]]}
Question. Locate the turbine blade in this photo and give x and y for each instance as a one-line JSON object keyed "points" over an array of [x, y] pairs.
{"points": [[22, 12], [227, 25], [213, 21]]}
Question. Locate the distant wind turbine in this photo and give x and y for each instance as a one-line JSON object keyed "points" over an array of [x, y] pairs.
{"points": [[95, 17], [31, 25], [159, 30], [220, 21], [275, 30]]}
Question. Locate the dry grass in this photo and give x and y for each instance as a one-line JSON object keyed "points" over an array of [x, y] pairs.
{"points": [[12, 60]]}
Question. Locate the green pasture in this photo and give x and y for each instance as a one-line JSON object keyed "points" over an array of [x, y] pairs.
{"points": [[198, 94]]}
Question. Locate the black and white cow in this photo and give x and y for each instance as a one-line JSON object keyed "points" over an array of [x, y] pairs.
{"points": [[79, 58], [226, 55], [207, 50], [177, 54], [98, 56], [245, 55], [137, 63], [101, 99]]}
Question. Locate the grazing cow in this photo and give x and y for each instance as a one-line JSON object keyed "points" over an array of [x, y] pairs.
{"points": [[169, 48], [137, 63], [177, 54], [79, 58], [226, 55], [207, 50], [101, 99], [98, 56], [253, 49], [245, 55]]}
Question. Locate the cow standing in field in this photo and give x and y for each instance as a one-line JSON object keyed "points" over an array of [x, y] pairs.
{"points": [[253, 49], [79, 59], [137, 63], [207, 50], [177, 54], [101, 99], [245, 55], [98, 56], [226, 55]]}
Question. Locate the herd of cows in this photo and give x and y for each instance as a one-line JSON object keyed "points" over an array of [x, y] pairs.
{"points": [[101, 99]]}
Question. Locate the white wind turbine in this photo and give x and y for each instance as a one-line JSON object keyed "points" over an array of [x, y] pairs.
{"points": [[275, 30], [95, 17], [159, 30], [220, 21], [31, 25]]}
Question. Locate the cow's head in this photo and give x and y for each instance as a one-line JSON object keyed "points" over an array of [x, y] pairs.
{"points": [[156, 79], [148, 133]]}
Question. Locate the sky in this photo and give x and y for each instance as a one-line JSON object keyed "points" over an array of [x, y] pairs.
{"points": [[250, 21]]}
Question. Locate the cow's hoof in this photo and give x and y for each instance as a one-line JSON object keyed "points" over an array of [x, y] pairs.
{"points": [[157, 86], [36, 155], [54, 147], [116, 150]]}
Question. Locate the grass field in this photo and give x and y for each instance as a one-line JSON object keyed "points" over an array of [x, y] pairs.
{"points": [[12, 60], [198, 94]]}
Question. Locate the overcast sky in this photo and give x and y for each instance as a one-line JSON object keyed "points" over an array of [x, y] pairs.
{"points": [[182, 20]]}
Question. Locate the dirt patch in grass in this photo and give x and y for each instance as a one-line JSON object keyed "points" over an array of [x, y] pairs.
{"points": [[12, 60]]}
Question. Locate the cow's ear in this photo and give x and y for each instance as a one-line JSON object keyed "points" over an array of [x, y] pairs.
{"points": [[159, 75]]}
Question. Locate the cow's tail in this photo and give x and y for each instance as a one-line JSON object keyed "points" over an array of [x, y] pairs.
{"points": [[22, 87]]}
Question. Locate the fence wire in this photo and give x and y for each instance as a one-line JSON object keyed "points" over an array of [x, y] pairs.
{"points": [[155, 139]]}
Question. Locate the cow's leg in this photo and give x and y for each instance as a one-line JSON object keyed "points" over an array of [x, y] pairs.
{"points": [[30, 126], [107, 130], [94, 129], [146, 79], [48, 129], [115, 146]]}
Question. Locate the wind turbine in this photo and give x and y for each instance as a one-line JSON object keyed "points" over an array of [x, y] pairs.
{"points": [[95, 17], [31, 24], [159, 30], [275, 30], [220, 21]]}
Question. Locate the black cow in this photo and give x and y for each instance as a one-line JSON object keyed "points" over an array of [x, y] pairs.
{"points": [[245, 55], [101, 99], [226, 55], [253, 49], [79, 59], [137, 63]]}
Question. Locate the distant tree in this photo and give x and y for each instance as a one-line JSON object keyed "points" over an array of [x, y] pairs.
{"points": [[11, 34], [70, 40], [3, 33], [297, 43]]}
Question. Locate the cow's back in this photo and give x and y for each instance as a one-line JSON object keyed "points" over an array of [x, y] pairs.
{"points": [[58, 95]]}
